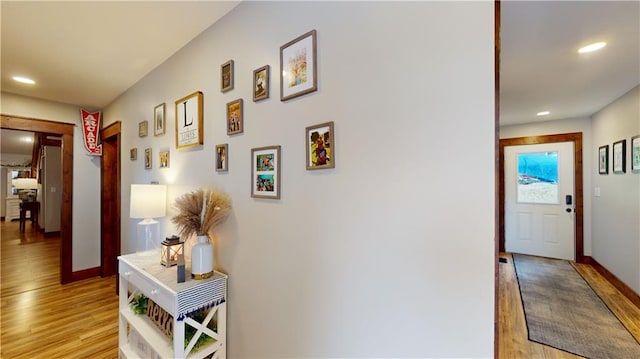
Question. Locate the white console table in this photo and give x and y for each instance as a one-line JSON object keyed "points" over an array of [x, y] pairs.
{"points": [[142, 273]]}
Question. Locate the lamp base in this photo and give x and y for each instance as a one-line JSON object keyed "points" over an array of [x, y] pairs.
{"points": [[148, 237]]}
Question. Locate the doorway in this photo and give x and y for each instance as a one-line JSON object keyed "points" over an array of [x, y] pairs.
{"points": [[539, 218], [576, 139], [110, 199], [65, 131]]}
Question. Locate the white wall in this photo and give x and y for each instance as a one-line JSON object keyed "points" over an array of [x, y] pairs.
{"points": [[368, 259], [616, 213], [52, 189], [86, 175], [571, 125]]}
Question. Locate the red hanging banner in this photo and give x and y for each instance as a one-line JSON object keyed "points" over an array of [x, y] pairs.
{"points": [[90, 132]]}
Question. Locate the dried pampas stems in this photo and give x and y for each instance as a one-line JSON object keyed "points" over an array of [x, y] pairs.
{"points": [[200, 211]]}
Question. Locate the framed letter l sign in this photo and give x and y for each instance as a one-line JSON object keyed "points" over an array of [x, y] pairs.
{"points": [[189, 121]]}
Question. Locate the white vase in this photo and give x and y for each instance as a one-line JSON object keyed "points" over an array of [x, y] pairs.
{"points": [[202, 258]]}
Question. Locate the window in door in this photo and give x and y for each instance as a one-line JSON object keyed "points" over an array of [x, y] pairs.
{"points": [[538, 178]]}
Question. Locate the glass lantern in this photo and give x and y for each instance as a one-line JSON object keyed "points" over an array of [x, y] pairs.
{"points": [[171, 249]]}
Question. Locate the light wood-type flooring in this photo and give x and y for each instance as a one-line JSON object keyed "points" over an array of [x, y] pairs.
{"points": [[41, 318], [513, 342]]}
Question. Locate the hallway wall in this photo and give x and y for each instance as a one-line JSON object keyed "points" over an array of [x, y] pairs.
{"points": [[616, 212], [368, 259]]}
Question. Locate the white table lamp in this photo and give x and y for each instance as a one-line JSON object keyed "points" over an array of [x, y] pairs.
{"points": [[148, 201], [27, 188]]}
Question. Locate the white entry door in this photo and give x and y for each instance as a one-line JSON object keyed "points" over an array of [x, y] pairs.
{"points": [[539, 200]]}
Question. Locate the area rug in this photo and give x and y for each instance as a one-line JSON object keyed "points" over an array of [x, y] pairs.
{"points": [[562, 311]]}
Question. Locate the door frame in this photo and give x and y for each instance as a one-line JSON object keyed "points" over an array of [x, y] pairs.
{"points": [[110, 218], [576, 138], [65, 130]]}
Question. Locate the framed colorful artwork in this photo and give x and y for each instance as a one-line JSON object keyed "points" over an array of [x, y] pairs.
{"points": [[147, 158], [261, 83], [603, 160], [619, 156], [158, 120], [164, 159], [226, 76], [222, 157], [635, 154], [298, 70], [189, 121], [235, 122], [143, 127], [320, 147], [265, 172]]}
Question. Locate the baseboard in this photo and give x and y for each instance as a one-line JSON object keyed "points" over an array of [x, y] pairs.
{"points": [[51, 234], [623, 288], [85, 274]]}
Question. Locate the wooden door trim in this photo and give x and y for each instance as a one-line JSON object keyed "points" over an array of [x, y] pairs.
{"points": [[496, 139], [107, 133], [66, 217], [576, 138]]}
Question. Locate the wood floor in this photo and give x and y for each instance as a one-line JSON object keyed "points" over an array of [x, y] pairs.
{"points": [[41, 318], [513, 342]]}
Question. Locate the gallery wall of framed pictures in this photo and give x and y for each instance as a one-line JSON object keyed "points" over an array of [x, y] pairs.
{"points": [[297, 76], [619, 157]]}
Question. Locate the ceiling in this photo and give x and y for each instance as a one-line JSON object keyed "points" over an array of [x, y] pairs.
{"points": [[88, 53], [540, 67]]}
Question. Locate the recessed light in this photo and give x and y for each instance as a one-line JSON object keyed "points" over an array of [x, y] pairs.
{"points": [[543, 113], [27, 139], [24, 80], [592, 47]]}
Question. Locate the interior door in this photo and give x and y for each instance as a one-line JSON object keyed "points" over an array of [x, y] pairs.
{"points": [[540, 200]]}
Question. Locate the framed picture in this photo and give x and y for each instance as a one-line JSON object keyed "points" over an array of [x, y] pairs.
{"points": [[226, 76], [164, 159], [619, 156], [158, 120], [265, 172], [635, 154], [189, 121], [603, 160], [147, 158], [133, 154], [143, 128], [261, 83], [320, 146], [235, 123], [298, 70], [222, 157]]}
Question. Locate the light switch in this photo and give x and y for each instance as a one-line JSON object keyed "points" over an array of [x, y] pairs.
{"points": [[596, 191], [53, 189]]}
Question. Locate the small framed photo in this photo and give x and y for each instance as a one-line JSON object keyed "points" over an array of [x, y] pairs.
{"points": [[164, 159], [603, 160], [261, 83], [320, 146], [143, 127], [619, 156], [298, 70], [133, 154], [265, 172], [222, 157], [226, 76], [147, 158], [235, 123], [189, 121], [635, 154], [158, 120]]}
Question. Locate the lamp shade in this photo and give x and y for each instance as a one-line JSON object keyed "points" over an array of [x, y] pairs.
{"points": [[25, 183], [148, 201]]}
